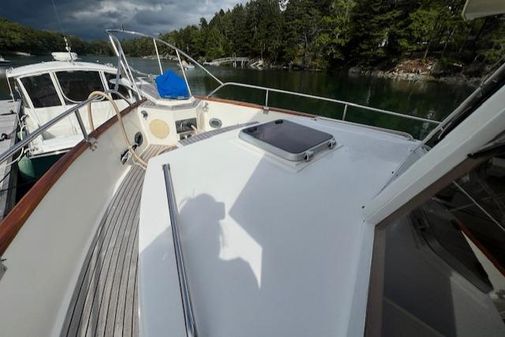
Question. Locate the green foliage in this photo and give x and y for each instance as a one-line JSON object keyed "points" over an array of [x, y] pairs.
{"points": [[376, 31], [314, 34], [303, 26], [138, 47], [16, 37], [490, 47], [335, 30]]}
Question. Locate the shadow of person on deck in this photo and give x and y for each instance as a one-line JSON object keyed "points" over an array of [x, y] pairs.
{"points": [[224, 291]]}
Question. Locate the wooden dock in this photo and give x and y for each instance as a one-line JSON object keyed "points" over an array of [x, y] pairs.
{"points": [[9, 112]]}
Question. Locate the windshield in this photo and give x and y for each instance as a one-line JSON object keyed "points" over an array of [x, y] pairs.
{"points": [[77, 85], [41, 91]]}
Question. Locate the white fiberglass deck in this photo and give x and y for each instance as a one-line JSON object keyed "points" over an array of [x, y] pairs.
{"points": [[271, 248]]}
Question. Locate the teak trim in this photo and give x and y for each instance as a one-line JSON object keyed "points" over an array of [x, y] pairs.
{"points": [[16, 218]]}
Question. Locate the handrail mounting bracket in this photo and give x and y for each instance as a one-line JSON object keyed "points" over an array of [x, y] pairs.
{"points": [[92, 143]]}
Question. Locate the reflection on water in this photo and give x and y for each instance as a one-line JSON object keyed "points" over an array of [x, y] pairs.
{"points": [[425, 99]]}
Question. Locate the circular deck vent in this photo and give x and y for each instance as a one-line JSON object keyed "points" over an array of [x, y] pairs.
{"points": [[215, 123]]}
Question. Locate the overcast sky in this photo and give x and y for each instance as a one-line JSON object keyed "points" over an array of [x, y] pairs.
{"points": [[89, 18]]}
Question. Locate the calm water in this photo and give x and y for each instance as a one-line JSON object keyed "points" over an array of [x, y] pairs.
{"points": [[425, 99]]}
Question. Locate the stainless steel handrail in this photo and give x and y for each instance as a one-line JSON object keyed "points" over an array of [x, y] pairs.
{"points": [[187, 305], [115, 31], [33, 135], [222, 84], [321, 98]]}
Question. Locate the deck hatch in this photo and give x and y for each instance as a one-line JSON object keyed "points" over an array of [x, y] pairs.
{"points": [[288, 140]]}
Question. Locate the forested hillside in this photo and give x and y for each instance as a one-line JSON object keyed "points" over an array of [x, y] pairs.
{"points": [[15, 37], [333, 33], [318, 34]]}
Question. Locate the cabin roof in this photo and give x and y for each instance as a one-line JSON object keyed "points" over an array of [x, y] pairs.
{"points": [[271, 248], [44, 67]]}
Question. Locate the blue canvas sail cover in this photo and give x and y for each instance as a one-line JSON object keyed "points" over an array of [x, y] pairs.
{"points": [[170, 85]]}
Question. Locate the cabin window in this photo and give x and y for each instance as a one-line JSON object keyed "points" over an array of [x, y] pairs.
{"points": [[14, 88], [111, 78], [41, 91], [77, 85]]}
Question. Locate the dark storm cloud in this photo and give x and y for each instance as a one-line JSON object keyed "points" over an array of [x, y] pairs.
{"points": [[89, 18]]}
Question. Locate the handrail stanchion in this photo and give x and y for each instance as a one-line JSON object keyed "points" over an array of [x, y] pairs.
{"points": [[90, 140], [345, 112], [112, 31], [217, 89], [10, 89], [120, 60], [266, 98], [158, 56], [81, 125], [183, 71], [124, 63]]}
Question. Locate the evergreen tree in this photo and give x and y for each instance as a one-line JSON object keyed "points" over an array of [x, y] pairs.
{"points": [[314, 34], [303, 25], [336, 30]]}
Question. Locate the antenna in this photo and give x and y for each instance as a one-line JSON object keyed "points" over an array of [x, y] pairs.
{"points": [[67, 47], [67, 44], [57, 16]]}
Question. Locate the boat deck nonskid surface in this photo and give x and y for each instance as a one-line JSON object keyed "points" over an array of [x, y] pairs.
{"points": [[104, 302], [271, 247]]}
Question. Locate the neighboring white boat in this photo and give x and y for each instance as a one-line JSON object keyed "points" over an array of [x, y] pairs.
{"points": [[64, 56], [21, 53], [211, 217], [4, 61], [49, 88]]}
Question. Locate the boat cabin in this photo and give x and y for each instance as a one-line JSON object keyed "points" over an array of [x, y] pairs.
{"points": [[49, 88]]}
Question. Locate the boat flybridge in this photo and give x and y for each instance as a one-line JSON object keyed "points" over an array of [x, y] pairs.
{"points": [[204, 216]]}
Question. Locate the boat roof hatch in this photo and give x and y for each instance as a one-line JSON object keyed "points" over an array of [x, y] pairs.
{"points": [[288, 140]]}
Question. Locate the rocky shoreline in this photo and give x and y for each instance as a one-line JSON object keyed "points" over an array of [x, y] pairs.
{"points": [[455, 79], [419, 70], [408, 70]]}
